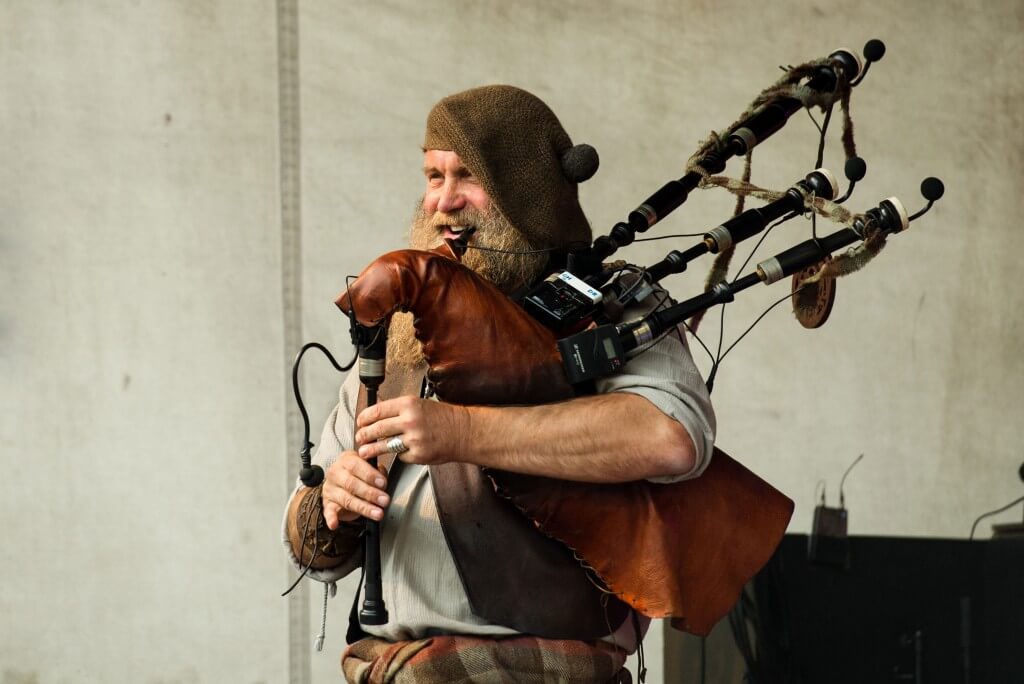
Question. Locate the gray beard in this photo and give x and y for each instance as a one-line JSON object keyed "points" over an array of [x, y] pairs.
{"points": [[507, 271]]}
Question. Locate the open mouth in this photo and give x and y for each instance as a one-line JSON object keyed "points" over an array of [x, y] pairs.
{"points": [[452, 232]]}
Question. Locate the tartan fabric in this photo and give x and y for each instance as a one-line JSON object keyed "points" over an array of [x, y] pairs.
{"points": [[479, 660]]}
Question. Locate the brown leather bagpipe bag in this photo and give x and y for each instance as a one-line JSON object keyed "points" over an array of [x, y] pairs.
{"points": [[681, 551]]}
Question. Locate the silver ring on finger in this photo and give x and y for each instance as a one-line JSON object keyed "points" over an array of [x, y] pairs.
{"points": [[395, 445]]}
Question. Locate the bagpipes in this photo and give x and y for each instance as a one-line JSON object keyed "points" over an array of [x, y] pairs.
{"points": [[703, 539]]}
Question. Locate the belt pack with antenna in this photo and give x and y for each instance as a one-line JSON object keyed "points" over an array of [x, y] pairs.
{"points": [[828, 543]]}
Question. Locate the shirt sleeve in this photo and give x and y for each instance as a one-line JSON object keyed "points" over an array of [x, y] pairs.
{"points": [[335, 438], [666, 375]]}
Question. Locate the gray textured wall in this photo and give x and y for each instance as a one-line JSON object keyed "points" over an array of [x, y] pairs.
{"points": [[142, 337]]}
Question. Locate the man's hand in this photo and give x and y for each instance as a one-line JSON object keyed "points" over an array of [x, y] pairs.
{"points": [[353, 488], [433, 432]]}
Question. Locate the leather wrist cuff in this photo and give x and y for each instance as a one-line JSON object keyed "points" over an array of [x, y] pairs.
{"points": [[311, 538]]}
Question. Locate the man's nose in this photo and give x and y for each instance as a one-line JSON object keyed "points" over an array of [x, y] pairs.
{"points": [[451, 198]]}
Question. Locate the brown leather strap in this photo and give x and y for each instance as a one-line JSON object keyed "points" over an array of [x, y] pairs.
{"points": [[513, 575]]}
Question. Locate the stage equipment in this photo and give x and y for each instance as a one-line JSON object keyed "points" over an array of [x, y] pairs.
{"points": [[828, 544], [1004, 529], [914, 610]]}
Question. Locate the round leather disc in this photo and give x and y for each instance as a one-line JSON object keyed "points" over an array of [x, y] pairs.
{"points": [[813, 304]]}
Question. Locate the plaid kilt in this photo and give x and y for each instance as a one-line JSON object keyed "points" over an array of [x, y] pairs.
{"points": [[481, 660]]}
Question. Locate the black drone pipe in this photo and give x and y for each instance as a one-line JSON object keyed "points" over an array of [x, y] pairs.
{"points": [[818, 183], [889, 217], [602, 350], [750, 132]]}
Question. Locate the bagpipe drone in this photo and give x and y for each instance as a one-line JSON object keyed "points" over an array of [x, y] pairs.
{"points": [[707, 536]]}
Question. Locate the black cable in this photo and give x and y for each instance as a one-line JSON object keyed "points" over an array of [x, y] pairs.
{"points": [[758, 320], [823, 129], [309, 474], [312, 556], [641, 274], [814, 121], [817, 164], [306, 444], [717, 359], [721, 335], [674, 328], [295, 377], [711, 356], [710, 382], [666, 237], [995, 512], [510, 251], [787, 217]]}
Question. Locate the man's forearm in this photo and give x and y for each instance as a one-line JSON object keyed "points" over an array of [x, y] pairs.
{"points": [[615, 437]]}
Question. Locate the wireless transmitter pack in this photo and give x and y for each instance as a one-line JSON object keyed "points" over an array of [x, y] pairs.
{"points": [[828, 543], [562, 300]]}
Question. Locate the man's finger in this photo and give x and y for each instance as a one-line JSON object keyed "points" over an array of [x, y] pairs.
{"points": [[354, 464], [366, 492], [386, 427], [389, 408], [331, 515], [373, 450], [356, 505]]}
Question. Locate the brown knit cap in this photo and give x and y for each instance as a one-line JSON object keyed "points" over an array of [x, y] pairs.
{"points": [[515, 146]]}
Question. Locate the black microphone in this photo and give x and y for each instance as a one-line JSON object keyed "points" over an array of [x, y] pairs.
{"points": [[874, 50], [855, 169]]}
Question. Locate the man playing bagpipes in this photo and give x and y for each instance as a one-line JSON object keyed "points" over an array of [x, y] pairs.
{"points": [[491, 579]]}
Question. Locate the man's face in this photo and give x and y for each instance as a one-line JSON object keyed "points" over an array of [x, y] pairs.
{"points": [[451, 188], [455, 200]]}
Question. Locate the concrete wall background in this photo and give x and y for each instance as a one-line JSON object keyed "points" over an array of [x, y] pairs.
{"points": [[142, 336]]}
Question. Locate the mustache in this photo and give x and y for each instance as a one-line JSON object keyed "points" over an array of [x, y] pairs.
{"points": [[462, 217]]}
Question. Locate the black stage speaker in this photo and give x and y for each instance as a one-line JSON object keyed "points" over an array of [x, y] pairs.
{"points": [[914, 610]]}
